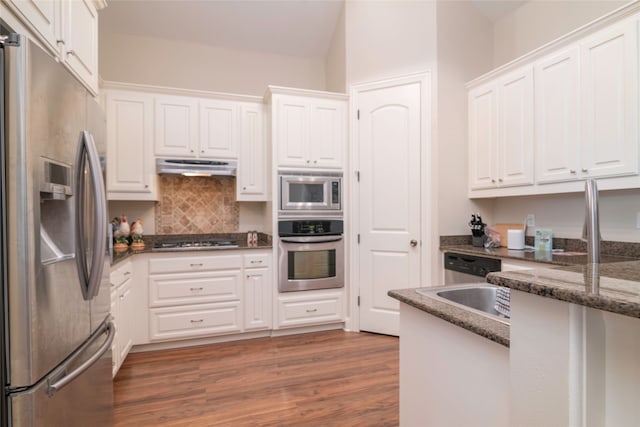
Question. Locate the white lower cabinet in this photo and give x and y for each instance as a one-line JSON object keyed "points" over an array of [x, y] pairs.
{"points": [[310, 308], [258, 291], [209, 295], [122, 311]]}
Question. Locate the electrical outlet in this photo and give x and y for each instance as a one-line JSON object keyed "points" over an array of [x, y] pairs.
{"points": [[531, 220]]}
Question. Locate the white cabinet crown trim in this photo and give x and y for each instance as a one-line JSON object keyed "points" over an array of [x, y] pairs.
{"points": [[574, 36], [107, 84]]}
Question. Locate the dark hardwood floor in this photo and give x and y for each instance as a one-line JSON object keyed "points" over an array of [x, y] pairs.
{"points": [[332, 378]]}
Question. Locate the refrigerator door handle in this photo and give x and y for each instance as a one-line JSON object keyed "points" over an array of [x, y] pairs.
{"points": [[107, 327], [88, 153]]}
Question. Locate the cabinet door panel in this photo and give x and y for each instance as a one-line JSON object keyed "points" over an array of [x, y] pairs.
{"points": [[218, 129], [482, 137], [252, 165], [129, 132], [610, 101], [292, 132], [175, 126], [44, 15], [257, 299], [557, 84], [81, 41], [327, 134], [515, 137]]}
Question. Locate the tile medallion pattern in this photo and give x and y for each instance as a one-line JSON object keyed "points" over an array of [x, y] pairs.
{"points": [[197, 205]]}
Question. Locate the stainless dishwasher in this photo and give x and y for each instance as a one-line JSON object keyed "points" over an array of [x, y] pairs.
{"points": [[462, 268]]}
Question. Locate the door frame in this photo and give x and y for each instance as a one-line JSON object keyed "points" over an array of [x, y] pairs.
{"points": [[428, 188]]}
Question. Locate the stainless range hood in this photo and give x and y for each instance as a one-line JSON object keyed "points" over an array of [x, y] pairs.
{"points": [[193, 167]]}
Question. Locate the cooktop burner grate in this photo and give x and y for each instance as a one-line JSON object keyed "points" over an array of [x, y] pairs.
{"points": [[193, 245]]}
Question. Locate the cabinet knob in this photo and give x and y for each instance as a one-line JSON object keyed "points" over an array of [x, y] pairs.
{"points": [[71, 52], [413, 243], [202, 151], [572, 171], [584, 170], [244, 188], [191, 151], [315, 161], [313, 310], [197, 321], [493, 181], [500, 180], [308, 161], [146, 186]]}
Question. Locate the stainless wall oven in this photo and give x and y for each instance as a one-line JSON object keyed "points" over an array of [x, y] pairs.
{"points": [[310, 255], [310, 194]]}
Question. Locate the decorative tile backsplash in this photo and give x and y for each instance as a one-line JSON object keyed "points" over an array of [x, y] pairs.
{"points": [[197, 205]]}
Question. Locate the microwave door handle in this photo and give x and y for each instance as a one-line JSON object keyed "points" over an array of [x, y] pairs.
{"points": [[90, 280], [311, 240]]}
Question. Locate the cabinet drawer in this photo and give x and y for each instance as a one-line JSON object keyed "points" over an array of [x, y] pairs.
{"points": [[192, 321], [193, 288], [257, 260], [293, 311], [196, 263], [121, 274]]}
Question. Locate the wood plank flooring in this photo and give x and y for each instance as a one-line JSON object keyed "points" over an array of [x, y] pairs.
{"points": [[331, 378]]}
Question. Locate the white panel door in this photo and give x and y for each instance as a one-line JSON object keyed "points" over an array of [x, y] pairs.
{"points": [[610, 101], [515, 129], [557, 110], [219, 128], [328, 133], [389, 141], [483, 137], [257, 299], [176, 126]]}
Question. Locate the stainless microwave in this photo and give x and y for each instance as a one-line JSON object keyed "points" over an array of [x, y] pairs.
{"points": [[310, 193]]}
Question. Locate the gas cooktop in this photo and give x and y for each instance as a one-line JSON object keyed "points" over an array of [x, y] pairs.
{"points": [[194, 245]]}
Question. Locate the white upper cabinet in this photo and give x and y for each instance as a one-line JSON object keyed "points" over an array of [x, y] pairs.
{"points": [[564, 113], [483, 136], [308, 131], [219, 128], [557, 112], [252, 177], [501, 132], [610, 101], [515, 129], [130, 167], [195, 127], [80, 49], [176, 126], [44, 16], [69, 28]]}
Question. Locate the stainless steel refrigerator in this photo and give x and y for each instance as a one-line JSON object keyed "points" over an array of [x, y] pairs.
{"points": [[56, 328]]}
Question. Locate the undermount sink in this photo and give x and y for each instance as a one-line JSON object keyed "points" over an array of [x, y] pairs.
{"points": [[479, 298]]}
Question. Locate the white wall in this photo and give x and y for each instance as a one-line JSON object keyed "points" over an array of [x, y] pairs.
{"points": [[465, 46], [160, 62], [336, 59], [389, 38], [538, 22]]}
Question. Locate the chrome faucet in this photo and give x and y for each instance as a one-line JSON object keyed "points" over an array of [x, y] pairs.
{"points": [[591, 229]]}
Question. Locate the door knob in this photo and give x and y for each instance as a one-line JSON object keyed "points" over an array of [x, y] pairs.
{"points": [[413, 243]]}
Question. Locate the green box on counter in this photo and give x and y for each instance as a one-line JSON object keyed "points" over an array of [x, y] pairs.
{"points": [[543, 240]]}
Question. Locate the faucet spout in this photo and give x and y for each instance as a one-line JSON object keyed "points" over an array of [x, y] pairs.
{"points": [[591, 229]]}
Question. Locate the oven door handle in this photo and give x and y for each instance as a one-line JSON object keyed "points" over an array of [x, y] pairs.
{"points": [[312, 240]]}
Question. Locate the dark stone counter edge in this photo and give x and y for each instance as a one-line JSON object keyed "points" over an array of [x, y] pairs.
{"points": [[264, 242], [480, 325], [575, 297]]}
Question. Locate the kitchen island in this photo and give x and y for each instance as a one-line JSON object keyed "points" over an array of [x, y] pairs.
{"points": [[572, 356]]}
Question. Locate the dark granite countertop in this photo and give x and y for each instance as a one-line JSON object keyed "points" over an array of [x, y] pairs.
{"points": [[555, 258], [613, 287], [264, 242], [489, 328]]}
